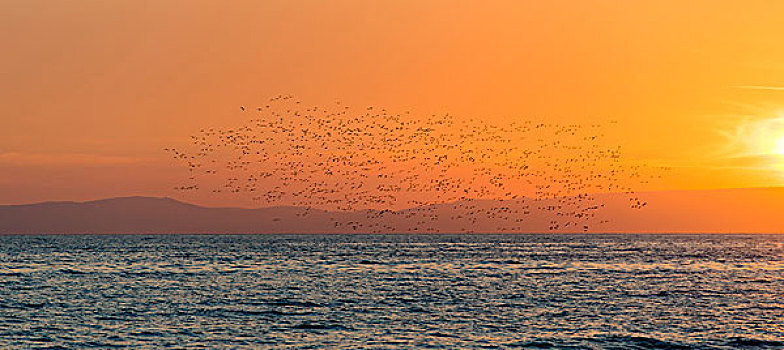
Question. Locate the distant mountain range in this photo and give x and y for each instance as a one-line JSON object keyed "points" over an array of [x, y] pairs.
{"points": [[753, 210]]}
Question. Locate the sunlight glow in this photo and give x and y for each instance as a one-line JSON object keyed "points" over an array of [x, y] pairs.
{"points": [[760, 137], [780, 146], [759, 143]]}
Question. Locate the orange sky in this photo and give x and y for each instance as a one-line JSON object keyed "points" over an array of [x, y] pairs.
{"points": [[92, 91]]}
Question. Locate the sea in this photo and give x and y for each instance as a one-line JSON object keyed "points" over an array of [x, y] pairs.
{"points": [[525, 291]]}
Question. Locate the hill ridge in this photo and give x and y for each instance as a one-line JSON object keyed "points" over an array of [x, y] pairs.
{"points": [[752, 210]]}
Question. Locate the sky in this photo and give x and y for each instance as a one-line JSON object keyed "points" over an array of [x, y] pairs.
{"points": [[92, 91]]}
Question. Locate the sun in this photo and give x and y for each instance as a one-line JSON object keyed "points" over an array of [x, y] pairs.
{"points": [[780, 146], [761, 137], [778, 153], [761, 142]]}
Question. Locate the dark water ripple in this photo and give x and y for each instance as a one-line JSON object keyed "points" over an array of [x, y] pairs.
{"points": [[391, 292]]}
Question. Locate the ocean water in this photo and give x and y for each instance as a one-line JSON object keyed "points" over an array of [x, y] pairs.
{"points": [[392, 292]]}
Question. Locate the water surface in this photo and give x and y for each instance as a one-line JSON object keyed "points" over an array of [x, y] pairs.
{"points": [[392, 291]]}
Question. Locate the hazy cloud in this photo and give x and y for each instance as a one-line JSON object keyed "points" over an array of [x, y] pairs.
{"points": [[760, 87], [756, 161]]}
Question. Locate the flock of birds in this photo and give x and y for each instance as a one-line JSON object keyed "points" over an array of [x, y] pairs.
{"points": [[396, 167]]}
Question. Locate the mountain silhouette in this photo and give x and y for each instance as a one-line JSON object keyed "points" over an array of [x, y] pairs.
{"points": [[753, 210]]}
